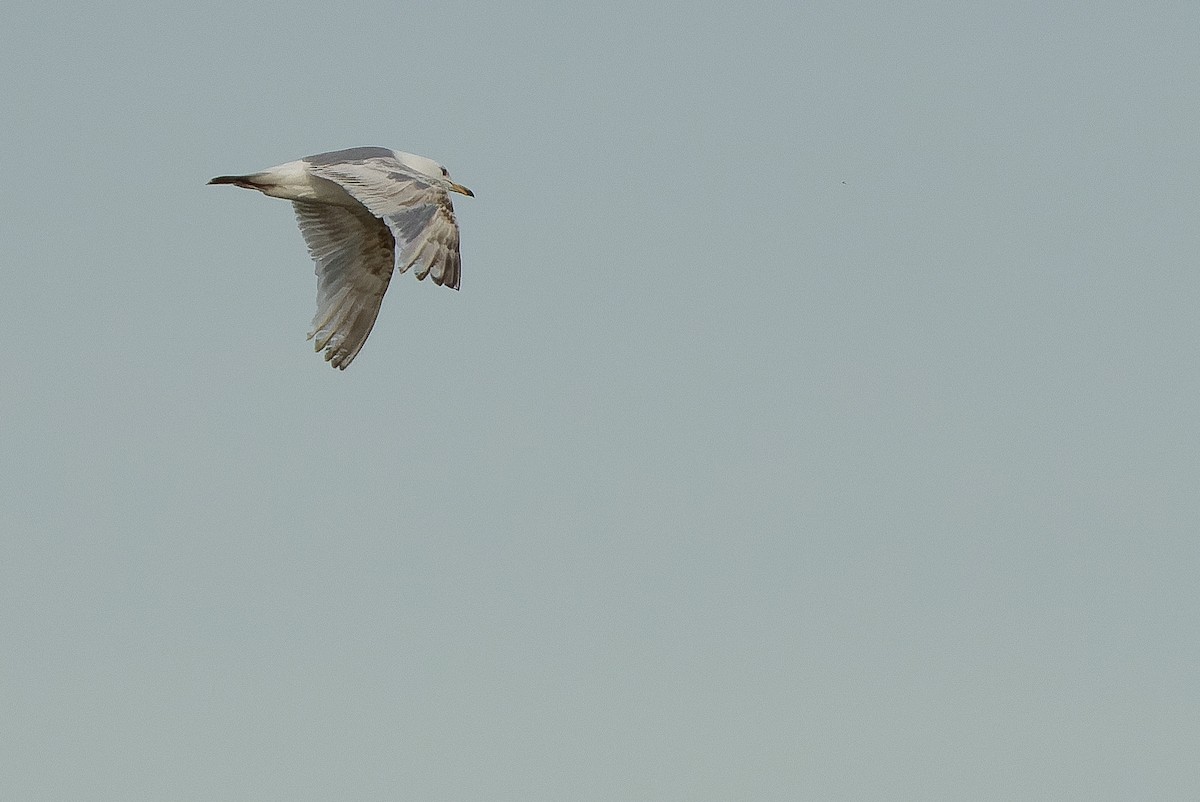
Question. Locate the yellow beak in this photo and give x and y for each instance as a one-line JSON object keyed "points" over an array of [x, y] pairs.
{"points": [[460, 188]]}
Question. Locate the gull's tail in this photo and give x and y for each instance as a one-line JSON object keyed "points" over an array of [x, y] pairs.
{"points": [[247, 181]]}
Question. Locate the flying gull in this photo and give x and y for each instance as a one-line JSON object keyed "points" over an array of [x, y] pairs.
{"points": [[364, 212]]}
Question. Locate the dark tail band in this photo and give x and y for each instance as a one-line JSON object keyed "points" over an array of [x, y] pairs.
{"points": [[237, 180]]}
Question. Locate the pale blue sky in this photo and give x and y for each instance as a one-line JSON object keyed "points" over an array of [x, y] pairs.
{"points": [[817, 419]]}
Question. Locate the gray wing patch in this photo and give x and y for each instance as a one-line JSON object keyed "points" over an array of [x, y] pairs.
{"points": [[354, 259], [348, 155]]}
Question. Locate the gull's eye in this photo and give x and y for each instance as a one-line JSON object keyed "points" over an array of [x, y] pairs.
{"points": [[445, 173]]}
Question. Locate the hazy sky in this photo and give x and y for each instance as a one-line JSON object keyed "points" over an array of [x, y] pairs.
{"points": [[817, 419]]}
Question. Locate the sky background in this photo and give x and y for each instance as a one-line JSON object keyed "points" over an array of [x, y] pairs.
{"points": [[817, 418]]}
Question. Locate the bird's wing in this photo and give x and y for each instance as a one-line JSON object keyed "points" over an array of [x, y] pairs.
{"points": [[418, 213], [353, 251]]}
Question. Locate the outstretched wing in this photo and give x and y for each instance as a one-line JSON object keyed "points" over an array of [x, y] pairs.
{"points": [[354, 255], [418, 213]]}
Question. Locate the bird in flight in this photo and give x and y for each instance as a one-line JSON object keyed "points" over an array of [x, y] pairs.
{"points": [[364, 212]]}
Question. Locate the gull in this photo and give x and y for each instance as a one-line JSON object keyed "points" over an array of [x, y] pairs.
{"points": [[364, 212]]}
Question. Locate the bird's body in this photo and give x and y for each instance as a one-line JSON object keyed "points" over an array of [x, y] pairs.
{"points": [[292, 181], [364, 212]]}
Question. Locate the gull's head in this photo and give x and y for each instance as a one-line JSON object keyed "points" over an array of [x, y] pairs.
{"points": [[428, 167]]}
